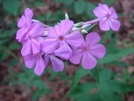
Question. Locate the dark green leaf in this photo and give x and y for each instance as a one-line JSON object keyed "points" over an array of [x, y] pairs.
{"points": [[11, 6], [1, 1], [88, 97], [36, 95], [109, 34], [105, 74], [67, 2], [112, 57], [120, 86], [13, 62], [81, 89], [89, 10], [79, 7], [38, 83], [14, 46], [79, 74], [95, 73], [105, 91], [3, 55]]}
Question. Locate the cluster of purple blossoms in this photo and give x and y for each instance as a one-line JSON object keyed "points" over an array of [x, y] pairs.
{"points": [[42, 44]]}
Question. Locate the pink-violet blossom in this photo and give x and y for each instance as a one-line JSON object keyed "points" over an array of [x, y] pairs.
{"points": [[24, 24], [35, 60], [87, 51], [63, 52], [107, 18], [31, 44], [60, 34]]}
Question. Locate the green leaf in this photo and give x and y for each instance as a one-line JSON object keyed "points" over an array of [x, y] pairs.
{"points": [[38, 3], [78, 75], [120, 63], [6, 33], [89, 10], [79, 7], [38, 83], [36, 95], [3, 55], [120, 86], [104, 91], [81, 89], [13, 62], [88, 97], [112, 57], [11, 6], [22, 78], [67, 2], [111, 47], [82, 72], [95, 74], [1, 1], [110, 2], [14, 46], [109, 34], [105, 74]]}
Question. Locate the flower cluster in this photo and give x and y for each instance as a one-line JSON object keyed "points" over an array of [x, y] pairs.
{"points": [[42, 44]]}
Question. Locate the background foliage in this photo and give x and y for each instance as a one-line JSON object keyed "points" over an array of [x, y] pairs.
{"points": [[111, 80]]}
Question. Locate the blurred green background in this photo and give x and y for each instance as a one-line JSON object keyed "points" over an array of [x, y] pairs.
{"points": [[111, 80]]}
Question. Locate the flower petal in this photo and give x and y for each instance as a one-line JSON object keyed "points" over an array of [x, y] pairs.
{"points": [[114, 24], [35, 46], [113, 13], [36, 30], [57, 64], [28, 13], [30, 60], [21, 21], [66, 26], [92, 38], [21, 34], [104, 25], [50, 44], [88, 61], [74, 39], [99, 12], [104, 7], [26, 49], [63, 52], [98, 51], [54, 32], [46, 59], [40, 66], [76, 56]]}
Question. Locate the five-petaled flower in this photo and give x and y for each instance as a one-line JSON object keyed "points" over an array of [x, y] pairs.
{"points": [[107, 17], [87, 51], [60, 34]]}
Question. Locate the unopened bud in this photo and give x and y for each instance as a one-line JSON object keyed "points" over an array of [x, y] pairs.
{"points": [[86, 26], [66, 16], [78, 24]]}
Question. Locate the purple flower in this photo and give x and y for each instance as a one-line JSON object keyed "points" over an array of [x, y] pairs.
{"points": [[60, 34], [31, 44], [24, 23], [107, 17], [63, 52], [35, 60], [87, 51]]}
